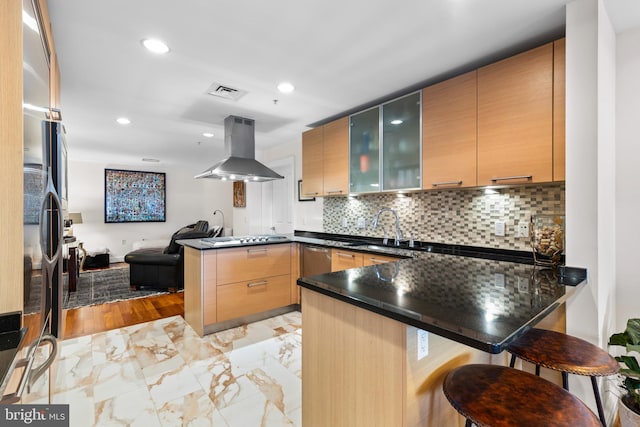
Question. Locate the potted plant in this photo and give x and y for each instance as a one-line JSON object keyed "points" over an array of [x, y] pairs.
{"points": [[629, 409]]}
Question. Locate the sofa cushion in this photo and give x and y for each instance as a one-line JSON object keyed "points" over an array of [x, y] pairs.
{"points": [[174, 247], [151, 256]]}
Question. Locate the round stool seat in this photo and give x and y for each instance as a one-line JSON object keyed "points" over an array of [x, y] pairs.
{"points": [[497, 396], [562, 352], [567, 354]]}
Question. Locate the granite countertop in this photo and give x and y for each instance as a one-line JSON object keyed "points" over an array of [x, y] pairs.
{"points": [[483, 303]]}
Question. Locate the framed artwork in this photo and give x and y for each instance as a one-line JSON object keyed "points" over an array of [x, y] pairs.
{"points": [[302, 198], [134, 196], [239, 195]]}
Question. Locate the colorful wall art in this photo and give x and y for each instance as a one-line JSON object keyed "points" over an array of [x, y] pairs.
{"points": [[134, 196]]}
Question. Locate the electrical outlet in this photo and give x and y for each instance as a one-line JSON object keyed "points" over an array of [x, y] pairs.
{"points": [[423, 344], [344, 223], [522, 229], [500, 228], [362, 223], [124, 242]]}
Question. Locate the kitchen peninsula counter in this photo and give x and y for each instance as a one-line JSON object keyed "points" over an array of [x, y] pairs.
{"points": [[366, 358], [482, 303]]}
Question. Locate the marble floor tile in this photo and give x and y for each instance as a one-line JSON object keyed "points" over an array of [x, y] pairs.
{"points": [[162, 373]]}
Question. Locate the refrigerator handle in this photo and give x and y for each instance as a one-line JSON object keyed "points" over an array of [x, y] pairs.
{"points": [[56, 209]]}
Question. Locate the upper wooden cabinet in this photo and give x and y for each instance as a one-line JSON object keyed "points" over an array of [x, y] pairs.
{"points": [[515, 119], [449, 117], [325, 159], [500, 124], [336, 157], [559, 57], [312, 163]]}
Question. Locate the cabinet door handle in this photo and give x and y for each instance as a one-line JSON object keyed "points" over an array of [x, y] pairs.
{"points": [[315, 193], [345, 255], [436, 184], [509, 178], [378, 261], [334, 192], [252, 285], [256, 250]]}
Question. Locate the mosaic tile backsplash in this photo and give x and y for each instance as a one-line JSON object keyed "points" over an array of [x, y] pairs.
{"points": [[464, 217]]}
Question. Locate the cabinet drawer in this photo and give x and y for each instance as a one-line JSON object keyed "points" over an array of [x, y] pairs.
{"points": [[373, 259], [250, 297], [248, 263], [343, 260]]}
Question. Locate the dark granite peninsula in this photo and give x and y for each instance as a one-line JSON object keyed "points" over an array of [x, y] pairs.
{"points": [[366, 355]]}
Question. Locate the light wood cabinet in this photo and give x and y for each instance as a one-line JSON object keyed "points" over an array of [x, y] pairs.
{"points": [[559, 90], [253, 262], [449, 117], [312, 162], [209, 277], [11, 150], [249, 297], [375, 259], [225, 285], [515, 119], [336, 157], [325, 159], [343, 260]]}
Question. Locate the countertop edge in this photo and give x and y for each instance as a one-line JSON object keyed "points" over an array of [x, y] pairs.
{"points": [[489, 347]]}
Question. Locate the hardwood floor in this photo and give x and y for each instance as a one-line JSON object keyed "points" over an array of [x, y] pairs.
{"points": [[98, 318]]}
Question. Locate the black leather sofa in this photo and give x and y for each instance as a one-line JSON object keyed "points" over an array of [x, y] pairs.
{"points": [[163, 268]]}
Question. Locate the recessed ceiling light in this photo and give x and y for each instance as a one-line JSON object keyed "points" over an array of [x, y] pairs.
{"points": [[208, 134], [286, 87], [150, 160], [155, 46], [123, 120], [396, 122]]}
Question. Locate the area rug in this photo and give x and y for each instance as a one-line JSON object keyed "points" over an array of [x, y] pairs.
{"points": [[93, 287], [102, 286]]}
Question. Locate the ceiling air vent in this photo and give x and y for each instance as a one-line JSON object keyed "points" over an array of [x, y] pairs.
{"points": [[226, 92]]}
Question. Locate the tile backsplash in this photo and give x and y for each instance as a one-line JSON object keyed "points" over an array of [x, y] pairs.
{"points": [[465, 217]]}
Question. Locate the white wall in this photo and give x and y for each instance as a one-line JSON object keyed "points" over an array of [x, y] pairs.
{"points": [[188, 200], [590, 179], [627, 176], [306, 215]]}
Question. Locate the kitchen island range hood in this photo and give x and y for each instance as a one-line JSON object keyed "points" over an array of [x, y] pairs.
{"points": [[240, 163]]}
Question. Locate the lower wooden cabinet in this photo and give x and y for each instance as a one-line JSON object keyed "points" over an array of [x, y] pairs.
{"points": [[254, 296], [343, 260], [374, 259], [226, 284]]}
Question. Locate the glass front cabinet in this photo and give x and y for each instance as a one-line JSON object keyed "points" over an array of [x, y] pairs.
{"points": [[386, 139], [364, 151]]}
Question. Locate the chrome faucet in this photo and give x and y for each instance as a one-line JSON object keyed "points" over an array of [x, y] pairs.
{"points": [[374, 224]]}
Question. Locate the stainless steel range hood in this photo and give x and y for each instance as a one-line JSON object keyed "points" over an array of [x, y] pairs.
{"points": [[240, 163]]}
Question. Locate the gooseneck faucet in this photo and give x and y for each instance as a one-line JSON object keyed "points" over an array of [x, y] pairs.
{"points": [[374, 224]]}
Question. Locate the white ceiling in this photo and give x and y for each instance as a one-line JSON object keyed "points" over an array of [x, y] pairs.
{"points": [[340, 55]]}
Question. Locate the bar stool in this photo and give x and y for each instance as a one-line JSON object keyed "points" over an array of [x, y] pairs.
{"points": [[497, 396], [567, 354]]}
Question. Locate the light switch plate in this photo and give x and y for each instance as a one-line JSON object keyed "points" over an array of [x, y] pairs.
{"points": [[500, 228]]}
